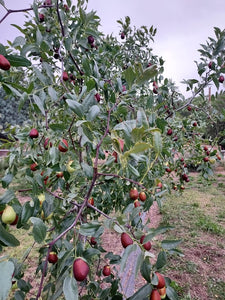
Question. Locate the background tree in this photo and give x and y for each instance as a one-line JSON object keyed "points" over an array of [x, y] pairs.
{"points": [[105, 127]]}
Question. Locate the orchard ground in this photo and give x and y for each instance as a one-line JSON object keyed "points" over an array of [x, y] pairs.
{"points": [[198, 216]]}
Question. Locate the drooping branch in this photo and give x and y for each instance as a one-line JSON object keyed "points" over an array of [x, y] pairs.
{"points": [[11, 11]]}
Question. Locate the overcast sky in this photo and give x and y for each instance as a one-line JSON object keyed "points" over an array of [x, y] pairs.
{"points": [[182, 25]]}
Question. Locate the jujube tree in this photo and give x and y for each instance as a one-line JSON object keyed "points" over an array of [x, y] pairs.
{"points": [[104, 131]]}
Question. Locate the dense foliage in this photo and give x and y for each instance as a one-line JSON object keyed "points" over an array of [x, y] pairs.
{"points": [[104, 121]]}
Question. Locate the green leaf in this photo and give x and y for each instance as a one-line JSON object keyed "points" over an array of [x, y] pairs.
{"points": [[7, 238], [27, 212], [58, 127], [89, 229], [137, 134], [88, 170], [142, 119], [52, 93], [2, 50], [87, 67], [147, 75], [170, 244], [142, 294], [171, 294], [12, 89], [130, 76], [146, 270], [91, 252], [133, 170], [7, 197], [161, 260], [6, 180], [126, 255], [89, 101], [6, 274], [157, 141], [76, 107], [39, 104], [39, 229], [138, 147], [70, 288], [93, 112], [18, 61], [40, 76]]}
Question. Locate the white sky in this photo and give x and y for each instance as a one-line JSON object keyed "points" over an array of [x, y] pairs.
{"points": [[182, 25]]}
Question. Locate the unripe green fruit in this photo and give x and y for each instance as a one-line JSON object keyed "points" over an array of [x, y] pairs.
{"points": [[8, 215]]}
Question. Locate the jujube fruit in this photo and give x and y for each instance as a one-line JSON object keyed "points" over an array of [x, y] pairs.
{"points": [[63, 146], [4, 63], [52, 257], [8, 215], [146, 245], [106, 270], [80, 269], [134, 194], [126, 240], [142, 196], [34, 133], [161, 280], [155, 295]]}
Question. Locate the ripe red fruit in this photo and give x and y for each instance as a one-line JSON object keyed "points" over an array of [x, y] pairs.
{"points": [[169, 131], [93, 241], [134, 194], [41, 18], [210, 65], [106, 270], [137, 203], [206, 159], [15, 221], [205, 148], [122, 35], [161, 281], [91, 39], [4, 63], [115, 155], [189, 108], [182, 159], [80, 269], [185, 177], [142, 196], [97, 97], [221, 79], [168, 170], [126, 240], [33, 167], [33, 133], [65, 76], [47, 144], [146, 245], [63, 146], [155, 90], [91, 201], [66, 7], [155, 295], [52, 257], [195, 124], [59, 174]]}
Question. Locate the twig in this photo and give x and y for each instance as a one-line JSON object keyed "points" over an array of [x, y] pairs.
{"points": [[124, 178], [11, 11]]}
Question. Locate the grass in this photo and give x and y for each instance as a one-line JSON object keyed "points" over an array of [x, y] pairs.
{"points": [[198, 216]]}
